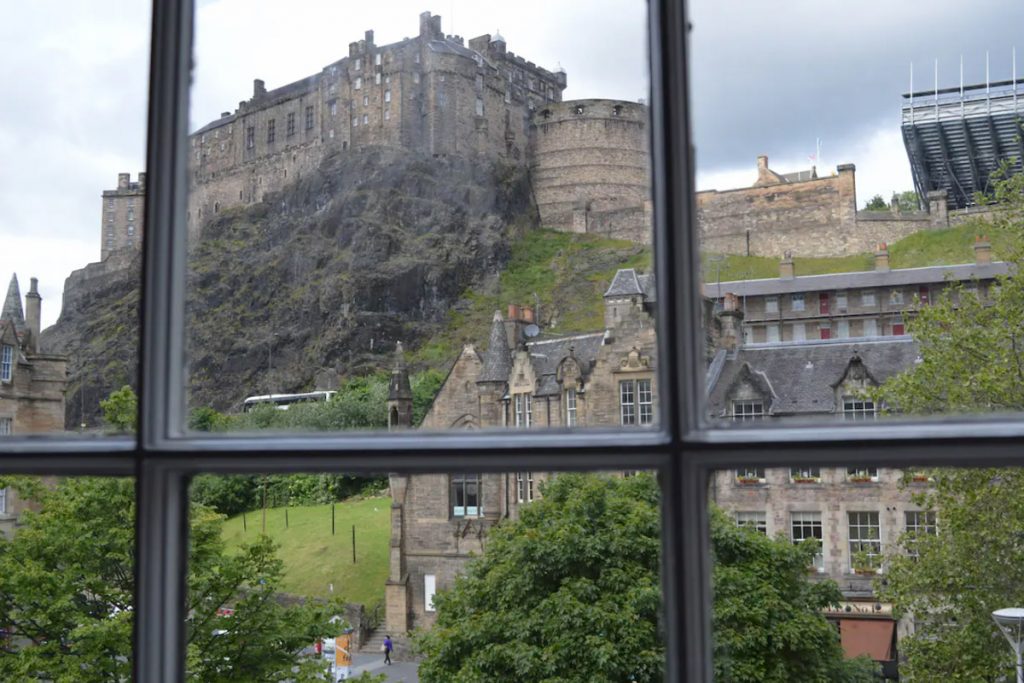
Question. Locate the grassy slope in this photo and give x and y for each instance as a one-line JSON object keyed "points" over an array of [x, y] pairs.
{"points": [[570, 272], [314, 559]]}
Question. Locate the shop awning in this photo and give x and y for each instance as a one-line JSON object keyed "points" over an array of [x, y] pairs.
{"points": [[871, 637]]}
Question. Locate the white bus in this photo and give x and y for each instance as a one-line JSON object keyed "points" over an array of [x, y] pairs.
{"points": [[282, 401]]}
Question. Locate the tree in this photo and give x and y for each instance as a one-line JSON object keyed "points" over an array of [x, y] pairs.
{"points": [[67, 583], [571, 592], [876, 203], [971, 361], [121, 409]]}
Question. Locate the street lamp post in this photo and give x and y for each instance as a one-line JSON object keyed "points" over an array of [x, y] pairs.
{"points": [[1011, 622]]}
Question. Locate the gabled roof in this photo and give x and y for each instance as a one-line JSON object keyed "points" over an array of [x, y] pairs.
{"points": [[803, 375], [546, 354], [627, 282], [12, 307]]}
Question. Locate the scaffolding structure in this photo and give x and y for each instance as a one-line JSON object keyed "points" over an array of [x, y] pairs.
{"points": [[956, 137]]}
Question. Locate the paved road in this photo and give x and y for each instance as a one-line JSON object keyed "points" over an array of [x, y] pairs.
{"points": [[399, 672]]}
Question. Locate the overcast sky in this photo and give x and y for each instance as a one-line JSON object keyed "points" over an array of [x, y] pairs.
{"points": [[768, 78]]}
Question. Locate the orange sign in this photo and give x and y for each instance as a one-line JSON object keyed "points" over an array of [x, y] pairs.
{"points": [[342, 656]]}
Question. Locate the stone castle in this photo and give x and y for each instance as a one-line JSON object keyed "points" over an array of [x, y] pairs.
{"points": [[433, 94]]}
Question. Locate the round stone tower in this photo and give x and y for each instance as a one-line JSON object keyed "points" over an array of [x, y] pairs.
{"points": [[589, 165]]}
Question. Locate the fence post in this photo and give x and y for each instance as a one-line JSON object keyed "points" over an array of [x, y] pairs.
{"points": [[353, 544], [286, 517], [332, 519], [245, 527]]}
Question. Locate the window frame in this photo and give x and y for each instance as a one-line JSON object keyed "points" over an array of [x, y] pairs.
{"points": [[682, 447]]}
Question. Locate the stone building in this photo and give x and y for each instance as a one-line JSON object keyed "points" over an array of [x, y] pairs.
{"points": [[433, 94], [122, 216], [523, 380], [857, 513], [32, 382], [814, 215], [870, 303]]}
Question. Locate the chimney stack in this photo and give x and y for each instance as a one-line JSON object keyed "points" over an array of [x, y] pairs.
{"points": [[730, 320], [982, 250], [528, 314], [786, 269], [882, 258], [258, 87], [123, 179], [33, 308]]}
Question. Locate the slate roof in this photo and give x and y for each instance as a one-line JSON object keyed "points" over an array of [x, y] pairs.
{"points": [[12, 307], [862, 279], [628, 282], [497, 360], [546, 354], [802, 375]]}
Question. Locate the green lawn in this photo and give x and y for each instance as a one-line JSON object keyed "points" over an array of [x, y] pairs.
{"points": [[314, 559]]}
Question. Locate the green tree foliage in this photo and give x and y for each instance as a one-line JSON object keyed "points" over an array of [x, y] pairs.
{"points": [[908, 201], [972, 361], [876, 203], [957, 578], [66, 586], [121, 410], [570, 592], [768, 623]]}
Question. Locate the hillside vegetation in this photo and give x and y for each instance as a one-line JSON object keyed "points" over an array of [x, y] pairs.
{"points": [[314, 559], [925, 248]]}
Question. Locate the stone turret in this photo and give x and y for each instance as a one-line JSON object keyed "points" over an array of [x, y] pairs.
{"points": [[399, 393], [33, 312], [12, 307], [493, 379]]}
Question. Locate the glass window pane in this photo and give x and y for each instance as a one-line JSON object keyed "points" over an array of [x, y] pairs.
{"points": [[72, 205], [854, 263], [413, 262], [66, 577], [343, 563]]}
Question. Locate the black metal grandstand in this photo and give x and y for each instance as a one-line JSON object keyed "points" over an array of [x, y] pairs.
{"points": [[956, 137]]}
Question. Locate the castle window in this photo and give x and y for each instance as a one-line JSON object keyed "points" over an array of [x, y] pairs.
{"points": [[271, 131], [330, 133], [865, 540], [479, 107], [479, 82], [416, 77], [376, 59], [358, 64], [387, 114], [7, 359], [636, 402], [376, 78], [807, 526], [355, 121], [387, 95], [579, 110], [366, 100], [131, 214], [131, 229], [755, 520], [570, 407], [416, 58], [429, 590], [771, 304], [616, 110], [805, 474], [359, 83], [867, 297], [524, 487], [309, 117], [366, 119], [465, 495], [334, 108], [250, 137], [387, 80]]}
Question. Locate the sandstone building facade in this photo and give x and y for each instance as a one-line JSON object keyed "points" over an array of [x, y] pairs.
{"points": [[32, 382], [605, 378]]}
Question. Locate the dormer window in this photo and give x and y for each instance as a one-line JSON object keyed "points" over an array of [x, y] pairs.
{"points": [[522, 410], [858, 409], [6, 362], [748, 410], [570, 408]]}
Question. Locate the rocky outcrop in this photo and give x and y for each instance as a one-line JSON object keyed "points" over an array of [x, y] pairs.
{"points": [[317, 282]]}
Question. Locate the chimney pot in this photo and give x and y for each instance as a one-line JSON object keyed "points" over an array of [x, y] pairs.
{"points": [[513, 312], [527, 314]]}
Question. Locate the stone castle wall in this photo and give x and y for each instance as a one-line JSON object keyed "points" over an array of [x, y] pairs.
{"points": [[813, 217], [589, 166], [431, 94]]}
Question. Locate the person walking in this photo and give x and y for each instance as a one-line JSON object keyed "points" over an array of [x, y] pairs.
{"points": [[388, 647]]}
